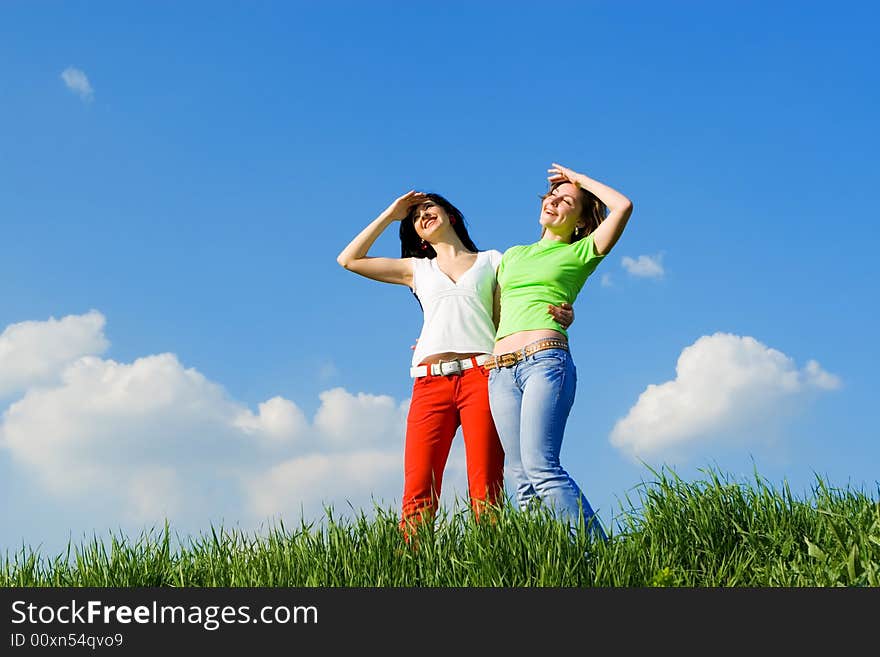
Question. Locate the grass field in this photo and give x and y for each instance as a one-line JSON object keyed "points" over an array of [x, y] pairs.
{"points": [[707, 533]]}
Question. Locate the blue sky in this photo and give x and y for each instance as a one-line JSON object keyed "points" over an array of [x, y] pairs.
{"points": [[177, 340]]}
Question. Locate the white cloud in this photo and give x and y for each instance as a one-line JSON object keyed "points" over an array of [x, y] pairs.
{"points": [[726, 385], [310, 483], [153, 439], [154, 492], [357, 461], [106, 426], [606, 280], [279, 420], [819, 378], [362, 419], [77, 81], [644, 266], [35, 352]]}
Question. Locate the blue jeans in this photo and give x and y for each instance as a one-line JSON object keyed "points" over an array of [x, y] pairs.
{"points": [[530, 403]]}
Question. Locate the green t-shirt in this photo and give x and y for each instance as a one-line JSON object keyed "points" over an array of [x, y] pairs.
{"points": [[534, 275]]}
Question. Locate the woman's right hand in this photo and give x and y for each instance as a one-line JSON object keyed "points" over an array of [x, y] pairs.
{"points": [[354, 257], [402, 204]]}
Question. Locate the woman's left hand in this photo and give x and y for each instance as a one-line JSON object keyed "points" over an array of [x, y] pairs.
{"points": [[559, 173], [563, 314], [619, 206]]}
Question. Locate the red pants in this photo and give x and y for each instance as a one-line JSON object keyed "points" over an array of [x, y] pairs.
{"points": [[439, 405]]}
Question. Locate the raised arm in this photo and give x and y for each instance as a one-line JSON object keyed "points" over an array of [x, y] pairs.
{"points": [[619, 206], [388, 270]]}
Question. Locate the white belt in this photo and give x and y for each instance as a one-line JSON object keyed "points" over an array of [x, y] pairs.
{"points": [[447, 367]]}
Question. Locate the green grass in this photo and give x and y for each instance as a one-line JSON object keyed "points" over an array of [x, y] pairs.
{"points": [[710, 532]]}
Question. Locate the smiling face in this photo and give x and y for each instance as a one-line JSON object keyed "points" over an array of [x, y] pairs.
{"points": [[430, 219], [434, 221], [561, 210]]}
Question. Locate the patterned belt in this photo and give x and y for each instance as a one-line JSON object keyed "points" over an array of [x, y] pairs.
{"points": [[513, 357]]}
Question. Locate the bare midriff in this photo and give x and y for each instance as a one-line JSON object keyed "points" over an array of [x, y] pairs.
{"points": [[447, 356], [518, 340]]}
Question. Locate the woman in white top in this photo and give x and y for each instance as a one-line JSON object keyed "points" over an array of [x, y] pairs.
{"points": [[455, 285]]}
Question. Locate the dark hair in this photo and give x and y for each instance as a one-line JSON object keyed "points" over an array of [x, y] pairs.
{"points": [[593, 211], [411, 243]]}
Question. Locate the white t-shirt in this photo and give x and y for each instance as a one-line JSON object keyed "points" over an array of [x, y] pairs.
{"points": [[458, 316]]}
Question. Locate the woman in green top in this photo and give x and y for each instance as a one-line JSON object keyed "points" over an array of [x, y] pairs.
{"points": [[532, 377]]}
